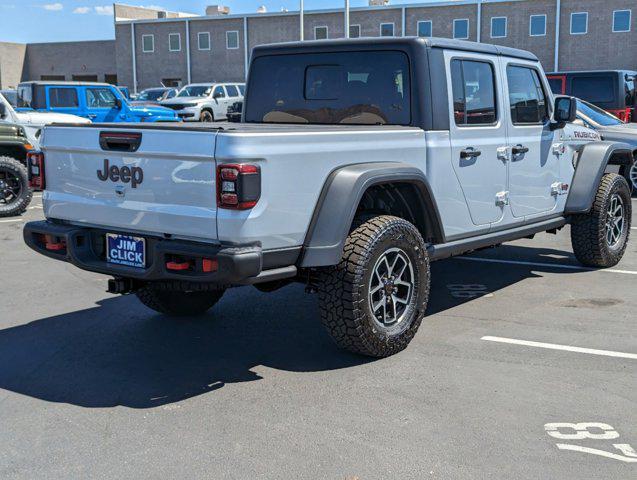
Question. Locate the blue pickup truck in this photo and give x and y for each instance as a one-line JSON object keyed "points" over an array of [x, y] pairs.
{"points": [[99, 102]]}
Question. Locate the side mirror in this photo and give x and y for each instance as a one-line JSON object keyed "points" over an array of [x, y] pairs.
{"points": [[564, 111], [118, 103], [3, 110]]}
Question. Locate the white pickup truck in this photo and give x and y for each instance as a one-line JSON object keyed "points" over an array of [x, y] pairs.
{"points": [[357, 163]]}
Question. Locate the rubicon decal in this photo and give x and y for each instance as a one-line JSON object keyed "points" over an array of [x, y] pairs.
{"points": [[585, 135], [132, 175]]}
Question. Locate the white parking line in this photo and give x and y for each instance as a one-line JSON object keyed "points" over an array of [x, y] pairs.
{"points": [[595, 451], [553, 346], [11, 220], [547, 265]]}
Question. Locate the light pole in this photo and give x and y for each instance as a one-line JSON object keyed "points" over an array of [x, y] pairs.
{"points": [[301, 20], [346, 19]]}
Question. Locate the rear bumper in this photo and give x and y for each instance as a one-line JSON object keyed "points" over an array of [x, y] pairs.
{"points": [[85, 248]]}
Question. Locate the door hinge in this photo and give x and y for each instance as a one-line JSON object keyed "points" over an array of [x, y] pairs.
{"points": [[559, 188], [502, 198], [503, 154], [558, 149]]}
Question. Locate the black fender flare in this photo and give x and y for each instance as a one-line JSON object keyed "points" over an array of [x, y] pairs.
{"points": [[339, 199], [591, 165]]}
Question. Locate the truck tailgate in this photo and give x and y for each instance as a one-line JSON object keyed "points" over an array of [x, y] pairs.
{"points": [[166, 186]]}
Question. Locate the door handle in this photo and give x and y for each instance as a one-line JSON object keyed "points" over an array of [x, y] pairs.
{"points": [[519, 150], [470, 152], [91, 116]]}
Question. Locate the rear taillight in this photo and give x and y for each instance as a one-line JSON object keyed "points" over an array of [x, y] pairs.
{"points": [[35, 167], [238, 186]]}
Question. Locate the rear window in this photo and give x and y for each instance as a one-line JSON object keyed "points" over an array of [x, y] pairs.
{"points": [[358, 88], [597, 89], [63, 98], [232, 91]]}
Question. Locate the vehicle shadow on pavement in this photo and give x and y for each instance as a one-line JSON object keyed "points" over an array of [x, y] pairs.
{"points": [[120, 353]]}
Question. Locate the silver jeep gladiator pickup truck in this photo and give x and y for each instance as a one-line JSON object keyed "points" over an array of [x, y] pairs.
{"points": [[357, 163]]}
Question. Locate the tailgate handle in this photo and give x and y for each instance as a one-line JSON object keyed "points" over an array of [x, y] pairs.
{"points": [[120, 141]]}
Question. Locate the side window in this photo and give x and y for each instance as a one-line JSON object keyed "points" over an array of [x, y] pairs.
{"points": [[242, 89], [473, 89], [232, 91], [526, 96], [219, 93], [63, 98], [100, 98]]}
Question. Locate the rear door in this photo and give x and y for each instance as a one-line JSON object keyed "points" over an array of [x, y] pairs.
{"points": [[63, 99], [533, 168], [163, 185], [478, 133]]}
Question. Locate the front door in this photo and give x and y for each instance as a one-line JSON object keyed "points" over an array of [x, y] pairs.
{"points": [[534, 169], [220, 102], [478, 134], [101, 104]]}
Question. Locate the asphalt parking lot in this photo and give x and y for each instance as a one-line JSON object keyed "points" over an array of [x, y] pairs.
{"points": [[97, 386]]}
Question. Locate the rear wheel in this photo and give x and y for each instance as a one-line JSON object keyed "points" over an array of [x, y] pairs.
{"points": [[206, 116], [600, 237], [633, 177], [178, 303], [15, 194], [374, 300]]}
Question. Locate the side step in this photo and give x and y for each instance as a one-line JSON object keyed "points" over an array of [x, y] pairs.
{"points": [[459, 247]]}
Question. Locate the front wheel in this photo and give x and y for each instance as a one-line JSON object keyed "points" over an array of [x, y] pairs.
{"points": [[176, 302], [633, 177], [600, 237], [15, 194], [374, 300], [206, 117]]}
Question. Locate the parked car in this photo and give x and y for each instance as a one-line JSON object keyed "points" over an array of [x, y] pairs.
{"points": [[99, 102], [154, 96], [613, 90], [610, 128], [11, 96], [125, 91], [234, 112], [15, 193], [204, 102], [351, 171], [33, 121]]}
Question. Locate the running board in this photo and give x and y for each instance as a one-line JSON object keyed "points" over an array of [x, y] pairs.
{"points": [[459, 247]]}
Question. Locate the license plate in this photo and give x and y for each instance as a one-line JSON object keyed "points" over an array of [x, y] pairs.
{"points": [[126, 250]]}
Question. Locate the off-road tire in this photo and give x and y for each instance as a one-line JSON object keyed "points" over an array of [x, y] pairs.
{"points": [[207, 116], [589, 231], [344, 290], [633, 177], [18, 204], [178, 303]]}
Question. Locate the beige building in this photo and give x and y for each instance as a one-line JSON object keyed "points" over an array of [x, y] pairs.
{"points": [[153, 46]]}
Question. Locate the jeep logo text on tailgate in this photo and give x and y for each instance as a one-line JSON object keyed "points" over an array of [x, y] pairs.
{"points": [[132, 175]]}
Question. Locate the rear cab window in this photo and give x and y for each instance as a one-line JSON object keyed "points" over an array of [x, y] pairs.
{"points": [[595, 89], [357, 88]]}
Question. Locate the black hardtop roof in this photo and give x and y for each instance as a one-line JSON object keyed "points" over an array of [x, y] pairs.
{"points": [[67, 83], [430, 42]]}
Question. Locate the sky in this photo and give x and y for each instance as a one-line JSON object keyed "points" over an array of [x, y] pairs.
{"points": [[33, 21]]}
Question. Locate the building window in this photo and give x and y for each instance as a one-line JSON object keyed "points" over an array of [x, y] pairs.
{"points": [[174, 42], [148, 43], [320, 33], [232, 40], [425, 28], [498, 27], [621, 20], [537, 25], [203, 39], [461, 28], [354, 31], [579, 23], [386, 29]]}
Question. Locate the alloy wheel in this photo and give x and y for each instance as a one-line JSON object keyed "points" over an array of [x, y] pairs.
{"points": [[10, 187], [615, 221]]}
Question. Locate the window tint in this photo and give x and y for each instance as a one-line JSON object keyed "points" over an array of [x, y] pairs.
{"points": [[621, 20], [232, 91], [598, 89], [579, 23], [242, 89], [537, 26], [100, 98], [354, 31], [218, 92], [386, 29], [203, 39], [232, 40], [331, 88], [63, 97], [425, 28], [526, 96], [473, 92], [498, 27], [461, 29]]}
